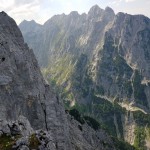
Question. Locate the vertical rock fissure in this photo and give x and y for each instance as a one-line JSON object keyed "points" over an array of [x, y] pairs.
{"points": [[45, 119], [45, 115]]}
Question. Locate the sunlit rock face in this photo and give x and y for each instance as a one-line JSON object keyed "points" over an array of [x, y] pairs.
{"points": [[99, 43], [95, 57]]}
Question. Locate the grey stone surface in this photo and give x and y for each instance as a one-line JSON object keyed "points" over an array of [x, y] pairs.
{"points": [[26, 94], [4, 128], [22, 141], [4, 80], [23, 147]]}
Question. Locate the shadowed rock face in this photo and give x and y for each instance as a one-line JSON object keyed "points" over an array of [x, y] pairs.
{"points": [[23, 91]]}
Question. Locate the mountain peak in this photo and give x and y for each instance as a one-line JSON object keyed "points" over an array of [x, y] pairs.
{"points": [[95, 7], [109, 13], [3, 13], [6, 25], [6, 18], [95, 10], [74, 13], [110, 10], [29, 22], [29, 25]]}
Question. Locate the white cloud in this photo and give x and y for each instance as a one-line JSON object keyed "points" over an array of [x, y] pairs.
{"points": [[6, 3], [21, 9], [130, 0], [115, 2], [26, 8]]}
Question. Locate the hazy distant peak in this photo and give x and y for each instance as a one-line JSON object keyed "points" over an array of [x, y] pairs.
{"points": [[29, 22], [29, 25], [95, 7], [110, 10], [74, 13], [95, 10]]}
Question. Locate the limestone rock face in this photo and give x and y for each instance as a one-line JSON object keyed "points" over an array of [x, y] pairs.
{"points": [[23, 92], [22, 86]]}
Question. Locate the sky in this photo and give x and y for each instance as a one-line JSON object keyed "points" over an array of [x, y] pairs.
{"points": [[42, 10]]}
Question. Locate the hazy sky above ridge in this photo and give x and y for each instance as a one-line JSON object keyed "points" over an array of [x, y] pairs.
{"points": [[42, 10]]}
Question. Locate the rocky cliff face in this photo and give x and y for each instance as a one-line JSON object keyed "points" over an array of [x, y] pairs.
{"points": [[102, 61], [32, 115], [23, 92]]}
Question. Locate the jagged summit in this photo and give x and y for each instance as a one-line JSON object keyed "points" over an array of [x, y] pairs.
{"points": [[3, 12], [6, 28], [108, 13], [141, 20], [74, 13], [95, 10], [31, 22], [29, 26], [110, 10]]}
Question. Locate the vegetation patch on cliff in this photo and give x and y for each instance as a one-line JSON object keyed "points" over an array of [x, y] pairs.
{"points": [[6, 141]]}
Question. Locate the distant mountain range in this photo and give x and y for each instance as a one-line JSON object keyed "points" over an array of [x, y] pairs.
{"points": [[100, 64]]}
